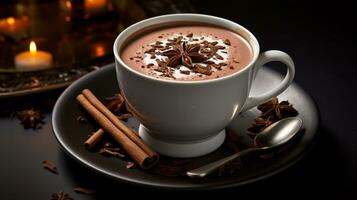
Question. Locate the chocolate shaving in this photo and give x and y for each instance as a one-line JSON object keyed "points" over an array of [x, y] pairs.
{"points": [[220, 47], [50, 166], [227, 42], [218, 56], [222, 64], [214, 43], [209, 62], [83, 190], [187, 72], [202, 70], [189, 35]]}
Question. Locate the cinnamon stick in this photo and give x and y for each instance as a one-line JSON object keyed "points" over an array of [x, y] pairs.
{"points": [[126, 137], [94, 139], [114, 119]]}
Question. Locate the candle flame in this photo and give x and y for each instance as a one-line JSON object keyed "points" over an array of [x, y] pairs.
{"points": [[10, 20], [69, 4], [33, 48], [99, 51]]}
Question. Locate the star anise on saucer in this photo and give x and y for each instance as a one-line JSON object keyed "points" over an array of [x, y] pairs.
{"points": [[31, 118], [61, 196], [277, 110], [184, 54], [260, 124], [116, 103]]}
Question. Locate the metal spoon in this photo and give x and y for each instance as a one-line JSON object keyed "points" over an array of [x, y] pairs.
{"points": [[275, 135]]}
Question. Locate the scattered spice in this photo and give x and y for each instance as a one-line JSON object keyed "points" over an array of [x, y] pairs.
{"points": [[31, 118], [260, 124], [83, 190], [116, 103], [82, 120], [125, 116], [61, 196], [50, 166], [111, 152], [277, 110], [272, 111]]}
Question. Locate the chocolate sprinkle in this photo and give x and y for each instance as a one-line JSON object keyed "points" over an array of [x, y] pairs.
{"points": [[189, 35], [227, 42]]}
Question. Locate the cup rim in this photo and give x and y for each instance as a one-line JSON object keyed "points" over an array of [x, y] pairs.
{"points": [[253, 42]]}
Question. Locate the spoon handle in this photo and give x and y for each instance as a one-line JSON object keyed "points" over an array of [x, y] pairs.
{"points": [[209, 168]]}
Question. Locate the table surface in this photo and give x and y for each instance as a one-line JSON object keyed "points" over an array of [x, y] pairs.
{"points": [[322, 44]]}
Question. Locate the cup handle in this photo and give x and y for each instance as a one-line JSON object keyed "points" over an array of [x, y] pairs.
{"points": [[265, 57]]}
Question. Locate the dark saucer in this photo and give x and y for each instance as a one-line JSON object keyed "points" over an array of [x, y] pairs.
{"points": [[70, 135]]}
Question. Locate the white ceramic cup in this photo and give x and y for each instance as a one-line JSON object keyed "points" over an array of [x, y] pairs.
{"points": [[188, 118]]}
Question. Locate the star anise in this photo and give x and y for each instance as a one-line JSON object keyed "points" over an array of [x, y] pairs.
{"points": [[31, 118], [61, 196], [277, 110], [260, 124], [184, 54], [116, 103]]}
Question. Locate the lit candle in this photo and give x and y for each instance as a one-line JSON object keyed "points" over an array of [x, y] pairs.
{"points": [[94, 6], [33, 59], [13, 26]]}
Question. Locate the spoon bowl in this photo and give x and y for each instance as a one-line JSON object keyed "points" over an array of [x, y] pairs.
{"points": [[278, 133], [275, 135]]}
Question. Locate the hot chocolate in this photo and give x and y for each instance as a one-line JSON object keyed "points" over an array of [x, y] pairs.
{"points": [[187, 52]]}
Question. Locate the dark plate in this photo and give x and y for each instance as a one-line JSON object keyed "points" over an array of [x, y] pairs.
{"points": [[70, 135]]}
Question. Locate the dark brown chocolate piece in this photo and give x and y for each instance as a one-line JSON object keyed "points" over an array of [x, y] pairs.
{"points": [[227, 42], [202, 70], [50, 166]]}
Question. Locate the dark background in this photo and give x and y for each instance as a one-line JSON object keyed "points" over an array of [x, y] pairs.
{"points": [[321, 39]]}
